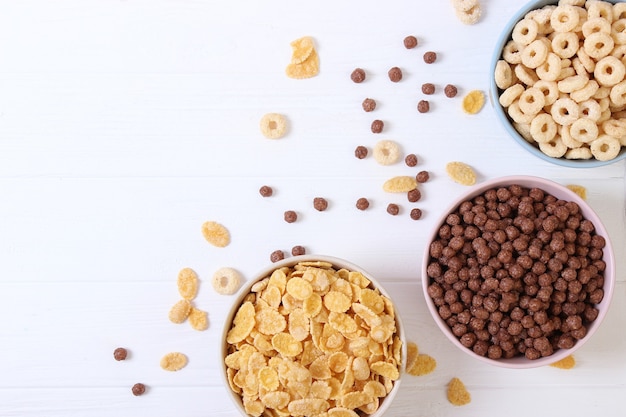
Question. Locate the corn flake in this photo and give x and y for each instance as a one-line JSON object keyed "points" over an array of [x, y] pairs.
{"points": [[461, 173], [385, 369], [216, 234], [400, 184], [180, 311], [567, 362], [299, 288], [187, 283], [457, 393], [173, 361], [198, 319], [424, 364], [337, 302], [243, 323], [579, 190], [473, 102]]}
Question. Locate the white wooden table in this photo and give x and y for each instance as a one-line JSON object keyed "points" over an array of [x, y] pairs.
{"points": [[125, 124]]}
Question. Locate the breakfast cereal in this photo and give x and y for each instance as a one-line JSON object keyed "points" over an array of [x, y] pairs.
{"points": [[457, 393], [273, 125], [173, 361], [304, 59], [461, 173], [473, 101], [386, 152], [187, 283], [216, 234], [400, 184], [226, 280]]}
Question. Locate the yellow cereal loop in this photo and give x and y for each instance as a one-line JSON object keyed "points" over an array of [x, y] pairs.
{"points": [[173, 361], [187, 283], [216, 234], [473, 101], [461, 173], [457, 393]]}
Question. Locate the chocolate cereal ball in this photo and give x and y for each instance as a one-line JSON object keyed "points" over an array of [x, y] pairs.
{"points": [[410, 42], [395, 74], [358, 75]]}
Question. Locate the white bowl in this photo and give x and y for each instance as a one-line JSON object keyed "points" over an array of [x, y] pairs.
{"points": [[288, 262], [562, 193], [501, 112]]}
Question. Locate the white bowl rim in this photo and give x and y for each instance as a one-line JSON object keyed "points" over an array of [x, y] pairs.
{"points": [[550, 187], [336, 262]]}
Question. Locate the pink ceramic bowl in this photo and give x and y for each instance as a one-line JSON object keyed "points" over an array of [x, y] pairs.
{"points": [[495, 287]]}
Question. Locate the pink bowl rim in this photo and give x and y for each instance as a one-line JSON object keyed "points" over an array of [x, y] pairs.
{"points": [[559, 191]]}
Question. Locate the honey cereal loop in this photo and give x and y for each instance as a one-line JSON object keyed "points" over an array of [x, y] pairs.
{"points": [[457, 393], [173, 361], [473, 101], [273, 125], [226, 281], [216, 234], [386, 152], [461, 173]]}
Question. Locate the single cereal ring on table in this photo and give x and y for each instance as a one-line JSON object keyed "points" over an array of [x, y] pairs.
{"points": [[590, 109], [554, 148], [469, 16], [517, 114], [605, 148], [273, 125], [543, 129], [386, 152], [584, 130], [511, 94], [598, 45], [526, 75], [618, 94], [573, 2], [531, 101], [609, 71], [586, 92], [565, 44], [572, 83], [550, 69], [549, 89], [579, 153], [503, 74], [565, 111], [601, 9], [525, 31], [535, 54], [595, 25], [512, 52], [567, 139], [464, 5], [564, 18]]}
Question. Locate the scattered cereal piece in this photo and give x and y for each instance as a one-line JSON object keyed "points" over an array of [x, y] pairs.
{"points": [[120, 354], [414, 195], [410, 42], [567, 362], [430, 57], [416, 214], [393, 209], [180, 311], [273, 125], [138, 389], [428, 88], [369, 105], [410, 160], [298, 250], [226, 281], [320, 203], [400, 184], [198, 319], [301, 49], [395, 74], [187, 283], [422, 176], [290, 216], [461, 173], [360, 152], [358, 75], [412, 350], [578, 189], [424, 365], [277, 255], [362, 203], [457, 393], [266, 191], [473, 102], [377, 126], [216, 234], [450, 91], [469, 11], [173, 361], [386, 152], [304, 59], [423, 106]]}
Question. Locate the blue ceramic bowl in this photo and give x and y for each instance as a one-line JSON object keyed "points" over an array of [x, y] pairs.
{"points": [[501, 113]]}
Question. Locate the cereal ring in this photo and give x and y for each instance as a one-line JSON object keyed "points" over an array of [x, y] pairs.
{"points": [[543, 128], [615, 128], [273, 125], [517, 114], [535, 54], [565, 44], [503, 74], [550, 69], [601, 9], [524, 130], [564, 111], [567, 139], [525, 31], [605, 148], [526, 75], [578, 153], [604, 103], [511, 94], [586, 60], [531, 101], [618, 94], [618, 31], [564, 18], [470, 16], [619, 52], [590, 109], [595, 25], [554, 148], [566, 73], [464, 5], [512, 52], [578, 66], [602, 93], [609, 71], [573, 2], [542, 17], [598, 45], [549, 89], [584, 130], [572, 83], [226, 281], [604, 116], [619, 11], [386, 152]]}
